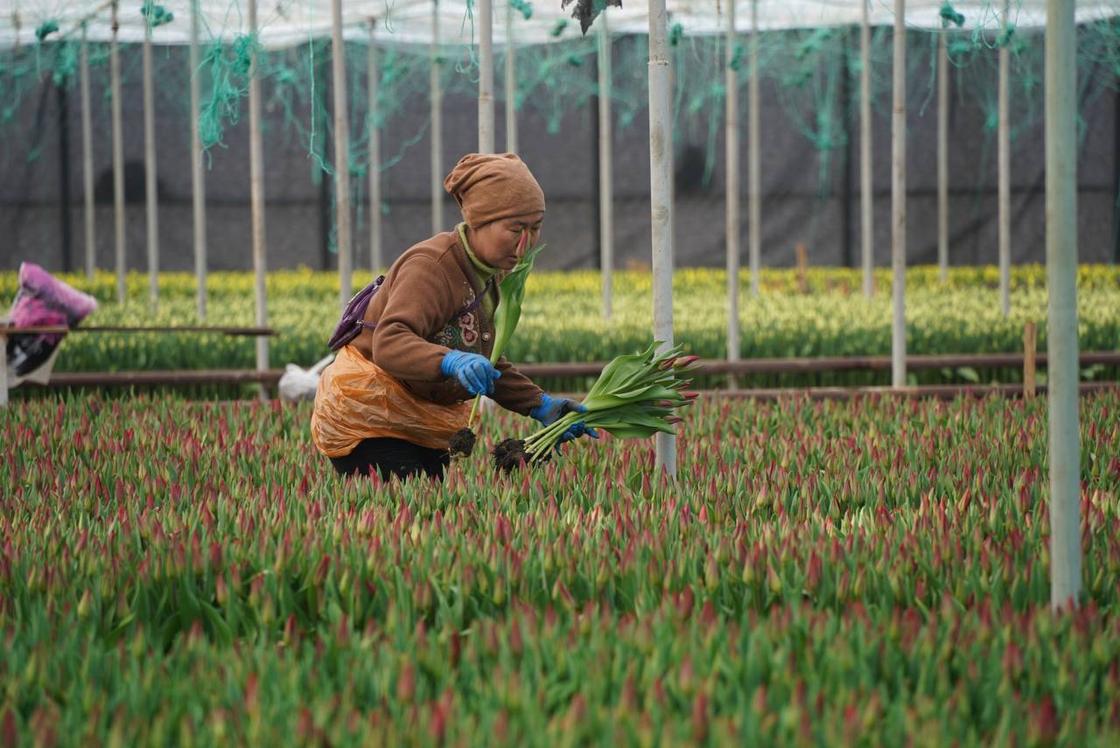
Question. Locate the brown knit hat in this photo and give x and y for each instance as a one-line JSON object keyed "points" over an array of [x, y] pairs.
{"points": [[489, 187]]}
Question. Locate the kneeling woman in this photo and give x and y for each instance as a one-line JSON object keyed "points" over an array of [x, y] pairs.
{"points": [[394, 396]]}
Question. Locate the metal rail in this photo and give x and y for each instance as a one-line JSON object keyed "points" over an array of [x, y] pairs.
{"points": [[935, 392], [712, 367], [270, 378], [63, 330], [149, 378], [831, 364]]}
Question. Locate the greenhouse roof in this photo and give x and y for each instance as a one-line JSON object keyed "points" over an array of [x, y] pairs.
{"points": [[287, 22]]}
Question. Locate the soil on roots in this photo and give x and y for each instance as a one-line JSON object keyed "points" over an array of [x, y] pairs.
{"points": [[510, 455], [462, 442]]}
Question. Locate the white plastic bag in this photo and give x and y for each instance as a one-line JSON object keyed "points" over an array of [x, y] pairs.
{"points": [[297, 383]]}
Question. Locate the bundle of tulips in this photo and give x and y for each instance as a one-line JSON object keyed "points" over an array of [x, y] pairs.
{"points": [[635, 397]]}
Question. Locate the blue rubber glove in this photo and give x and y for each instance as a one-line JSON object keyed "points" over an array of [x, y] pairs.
{"points": [[473, 371], [552, 409]]}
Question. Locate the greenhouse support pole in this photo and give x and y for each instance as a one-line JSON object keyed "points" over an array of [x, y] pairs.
{"points": [[436, 102], [118, 159], [87, 160], [511, 85], [866, 196], [731, 129], [485, 76], [3, 372], [661, 213], [256, 194], [943, 156], [341, 156], [1004, 189], [372, 74], [1061, 278], [150, 170], [898, 200], [1116, 180], [754, 187], [606, 171], [198, 177], [66, 224], [1030, 340], [845, 103], [319, 117]]}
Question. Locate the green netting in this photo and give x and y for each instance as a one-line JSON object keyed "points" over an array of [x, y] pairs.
{"points": [[814, 73]]}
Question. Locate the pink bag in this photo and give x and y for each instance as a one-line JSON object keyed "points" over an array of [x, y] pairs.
{"points": [[42, 300]]}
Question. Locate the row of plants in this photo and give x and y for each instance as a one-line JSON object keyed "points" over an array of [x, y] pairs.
{"points": [[323, 285], [866, 572], [562, 321]]}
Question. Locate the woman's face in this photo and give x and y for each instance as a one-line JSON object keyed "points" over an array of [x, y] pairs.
{"points": [[503, 242]]}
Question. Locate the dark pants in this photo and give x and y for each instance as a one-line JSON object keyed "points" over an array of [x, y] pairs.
{"points": [[391, 457]]}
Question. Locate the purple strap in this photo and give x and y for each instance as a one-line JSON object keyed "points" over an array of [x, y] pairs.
{"points": [[478, 299], [353, 317]]}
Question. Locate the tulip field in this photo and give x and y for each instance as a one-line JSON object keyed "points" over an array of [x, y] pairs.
{"points": [[562, 320], [873, 572]]}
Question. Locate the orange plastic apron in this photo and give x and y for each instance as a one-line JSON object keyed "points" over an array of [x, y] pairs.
{"points": [[357, 400]]}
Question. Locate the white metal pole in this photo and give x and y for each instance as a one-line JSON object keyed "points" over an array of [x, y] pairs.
{"points": [[341, 156], [731, 130], [87, 160], [1004, 147], [485, 76], [943, 156], [754, 186], [436, 91], [606, 169], [198, 178], [256, 192], [3, 373], [372, 75], [118, 159], [1061, 277], [150, 170], [661, 218], [898, 200], [511, 85], [867, 197]]}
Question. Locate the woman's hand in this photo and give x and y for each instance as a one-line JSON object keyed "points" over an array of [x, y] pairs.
{"points": [[552, 409], [473, 371]]}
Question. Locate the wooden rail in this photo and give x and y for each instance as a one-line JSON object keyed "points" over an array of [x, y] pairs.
{"points": [[709, 367], [63, 330], [8, 330], [169, 378], [832, 364], [934, 391], [226, 377]]}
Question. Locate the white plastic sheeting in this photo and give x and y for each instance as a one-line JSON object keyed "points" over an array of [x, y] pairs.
{"points": [[287, 22]]}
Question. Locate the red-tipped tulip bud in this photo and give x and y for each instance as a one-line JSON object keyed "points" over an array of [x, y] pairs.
{"points": [[685, 361], [667, 364], [673, 419], [406, 683], [690, 395]]}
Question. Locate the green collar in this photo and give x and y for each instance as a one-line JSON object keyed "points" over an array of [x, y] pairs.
{"points": [[484, 270]]}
